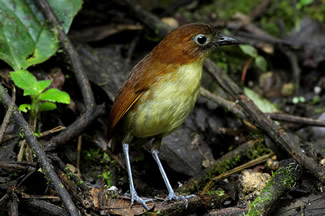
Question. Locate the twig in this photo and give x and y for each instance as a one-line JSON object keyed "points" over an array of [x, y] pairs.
{"points": [[259, 9], [243, 76], [13, 165], [148, 19], [296, 119], [53, 130], [296, 71], [78, 153], [238, 111], [40, 154], [7, 117], [251, 163], [227, 105], [73, 58]]}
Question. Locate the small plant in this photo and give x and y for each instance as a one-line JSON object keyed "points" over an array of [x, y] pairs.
{"points": [[41, 99], [25, 41], [260, 61], [107, 176], [303, 3]]}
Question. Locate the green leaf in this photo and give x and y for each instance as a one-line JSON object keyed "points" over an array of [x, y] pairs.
{"points": [[24, 107], [302, 3], [55, 95], [47, 106], [263, 104], [248, 50], [38, 88], [261, 63], [23, 79], [25, 38], [42, 85], [27, 81]]}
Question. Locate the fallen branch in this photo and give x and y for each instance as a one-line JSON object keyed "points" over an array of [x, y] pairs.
{"points": [[282, 180]]}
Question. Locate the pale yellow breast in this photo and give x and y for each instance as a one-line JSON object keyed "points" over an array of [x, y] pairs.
{"points": [[167, 104]]}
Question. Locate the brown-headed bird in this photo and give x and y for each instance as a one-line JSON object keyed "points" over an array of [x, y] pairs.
{"points": [[160, 93]]}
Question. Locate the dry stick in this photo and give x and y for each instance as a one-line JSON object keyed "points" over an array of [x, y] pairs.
{"points": [[78, 153], [7, 117], [274, 131], [251, 163], [73, 58], [238, 111], [260, 9], [227, 105], [248, 63], [40, 154], [148, 19], [296, 119]]}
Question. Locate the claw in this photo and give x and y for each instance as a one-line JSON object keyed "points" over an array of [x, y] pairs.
{"points": [[173, 196], [139, 200]]}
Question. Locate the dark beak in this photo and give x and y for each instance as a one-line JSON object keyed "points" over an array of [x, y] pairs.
{"points": [[225, 40]]}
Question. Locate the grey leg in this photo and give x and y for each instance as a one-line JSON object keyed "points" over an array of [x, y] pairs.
{"points": [[133, 193], [171, 192]]}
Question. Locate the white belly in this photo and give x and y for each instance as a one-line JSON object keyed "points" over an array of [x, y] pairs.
{"points": [[169, 103]]}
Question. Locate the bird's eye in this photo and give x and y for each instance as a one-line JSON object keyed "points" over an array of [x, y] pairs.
{"points": [[201, 39]]}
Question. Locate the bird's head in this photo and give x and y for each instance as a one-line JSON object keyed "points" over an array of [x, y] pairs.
{"points": [[189, 43]]}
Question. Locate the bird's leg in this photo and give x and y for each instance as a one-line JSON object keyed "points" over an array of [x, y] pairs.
{"points": [[133, 193], [171, 193]]}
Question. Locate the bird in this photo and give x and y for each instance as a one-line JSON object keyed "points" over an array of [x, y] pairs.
{"points": [[159, 94]]}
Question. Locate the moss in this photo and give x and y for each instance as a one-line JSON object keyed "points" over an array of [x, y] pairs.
{"points": [[257, 151], [94, 155], [283, 179], [217, 193]]}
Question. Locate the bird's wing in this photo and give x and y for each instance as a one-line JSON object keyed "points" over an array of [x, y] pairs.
{"points": [[130, 93], [123, 102], [141, 77]]}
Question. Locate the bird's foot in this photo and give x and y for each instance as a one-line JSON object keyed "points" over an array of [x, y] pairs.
{"points": [[173, 196], [134, 197]]}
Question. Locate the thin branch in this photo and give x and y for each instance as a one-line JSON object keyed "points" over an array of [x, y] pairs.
{"points": [[296, 119], [9, 112], [251, 163], [238, 111]]}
